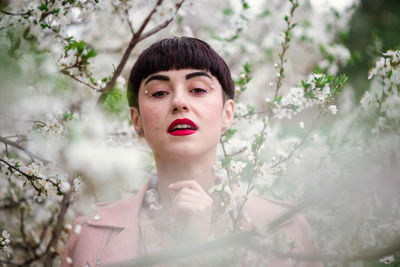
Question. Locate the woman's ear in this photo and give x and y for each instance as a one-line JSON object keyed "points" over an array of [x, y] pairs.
{"points": [[228, 113], [137, 121]]}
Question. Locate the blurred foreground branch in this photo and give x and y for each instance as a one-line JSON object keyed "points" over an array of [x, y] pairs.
{"points": [[247, 239], [242, 238]]}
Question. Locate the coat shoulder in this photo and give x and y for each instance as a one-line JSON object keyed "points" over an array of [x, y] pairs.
{"points": [[90, 232]]}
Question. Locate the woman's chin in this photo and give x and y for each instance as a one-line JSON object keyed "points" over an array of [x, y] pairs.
{"points": [[186, 152]]}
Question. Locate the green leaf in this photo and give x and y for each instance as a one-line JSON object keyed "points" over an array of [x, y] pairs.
{"points": [[230, 133], [44, 26], [246, 67], [114, 101], [228, 11], [43, 7], [286, 17], [250, 109], [245, 5], [90, 54], [225, 162], [264, 14], [390, 74], [278, 98]]}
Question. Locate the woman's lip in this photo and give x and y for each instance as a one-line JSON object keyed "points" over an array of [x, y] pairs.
{"points": [[182, 121], [182, 132]]}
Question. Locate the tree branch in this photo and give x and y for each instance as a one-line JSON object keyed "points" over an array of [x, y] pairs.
{"points": [[241, 238], [32, 178], [49, 255], [18, 146], [238, 152], [324, 107], [64, 71], [137, 37], [254, 171], [129, 22], [228, 172], [367, 255], [6, 263], [14, 14], [285, 46], [246, 239], [155, 29]]}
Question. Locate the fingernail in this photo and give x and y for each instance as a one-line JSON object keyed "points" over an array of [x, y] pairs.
{"points": [[171, 185]]}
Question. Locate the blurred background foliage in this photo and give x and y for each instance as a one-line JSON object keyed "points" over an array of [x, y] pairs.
{"points": [[374, 29]]}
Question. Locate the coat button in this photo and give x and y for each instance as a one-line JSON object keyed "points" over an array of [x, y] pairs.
{"points": [[97, 217]]}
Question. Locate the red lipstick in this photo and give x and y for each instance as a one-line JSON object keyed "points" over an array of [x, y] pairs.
{"points": [[181, 127]]}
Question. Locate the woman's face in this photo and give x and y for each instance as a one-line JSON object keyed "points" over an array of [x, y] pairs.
{"points": [[182, 113]]}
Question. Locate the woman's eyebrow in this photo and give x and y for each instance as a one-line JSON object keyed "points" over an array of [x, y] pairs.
{"points": [[197, 73], [157, 77]]}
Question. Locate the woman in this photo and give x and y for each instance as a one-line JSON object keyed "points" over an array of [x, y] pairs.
{"points": [[181, 97]]}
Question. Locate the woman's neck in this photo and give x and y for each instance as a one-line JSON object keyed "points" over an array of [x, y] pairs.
{"points": [[171, 170]]}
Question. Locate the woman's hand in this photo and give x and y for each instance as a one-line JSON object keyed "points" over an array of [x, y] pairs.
{"points": [[191, 210]]}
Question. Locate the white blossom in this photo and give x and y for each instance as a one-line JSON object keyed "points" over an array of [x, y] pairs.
{"points": [[333, 109], [387, 259], [65, 187]]}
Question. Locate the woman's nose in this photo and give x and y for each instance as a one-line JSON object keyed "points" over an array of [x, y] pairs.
{"points": [[179, 102]]}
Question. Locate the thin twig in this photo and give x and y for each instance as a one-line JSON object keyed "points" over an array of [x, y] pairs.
{"points": [[249, 184], [285, 46], [32, 178], [228, 172], [324, 107], [147, 19], [254, 113], [45, 228], [7, 263], [18, 146], [64, 71], [129, 22], [155, 29], [14, 14], [48, 260], [238, 152]]}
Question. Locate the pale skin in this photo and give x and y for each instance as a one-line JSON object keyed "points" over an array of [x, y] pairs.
{"points": [[184, 163]]}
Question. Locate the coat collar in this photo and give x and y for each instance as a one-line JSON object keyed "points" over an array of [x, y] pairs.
{"points": [[120, 213]]}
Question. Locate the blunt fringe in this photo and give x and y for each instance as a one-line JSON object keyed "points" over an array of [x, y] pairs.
{"points": [[175, 54]]}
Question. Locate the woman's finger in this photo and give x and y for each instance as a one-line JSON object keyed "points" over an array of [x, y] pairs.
{"points": [[192, 184]]}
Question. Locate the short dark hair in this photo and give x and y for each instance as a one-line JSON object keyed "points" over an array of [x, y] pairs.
{"points": [[179, 53]]}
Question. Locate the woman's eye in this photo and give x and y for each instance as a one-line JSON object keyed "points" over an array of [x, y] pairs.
{"points": [[159, 94], [198, 91]]}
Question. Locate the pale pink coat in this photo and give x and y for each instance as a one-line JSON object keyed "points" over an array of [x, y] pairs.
{"points": [[111, 234]]}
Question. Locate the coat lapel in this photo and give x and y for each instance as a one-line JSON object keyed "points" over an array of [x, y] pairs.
{"points": [[120, 221]]}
